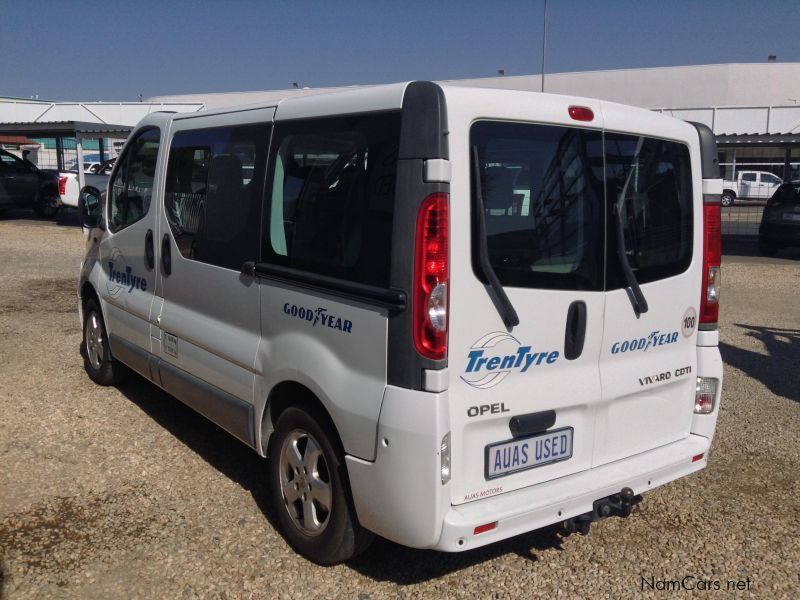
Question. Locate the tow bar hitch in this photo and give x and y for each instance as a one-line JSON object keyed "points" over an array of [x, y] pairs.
{"points": [[616, 505]]}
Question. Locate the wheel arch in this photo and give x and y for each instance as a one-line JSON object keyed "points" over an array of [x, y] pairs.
{"points": [[87, 292], [47, 186], [286, 394]]}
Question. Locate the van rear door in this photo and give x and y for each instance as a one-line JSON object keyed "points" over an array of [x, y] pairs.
{"points": [[648, 360], [541, 187]]}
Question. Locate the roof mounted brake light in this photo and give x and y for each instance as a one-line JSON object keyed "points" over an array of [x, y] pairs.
{"points": [[581, 113]]}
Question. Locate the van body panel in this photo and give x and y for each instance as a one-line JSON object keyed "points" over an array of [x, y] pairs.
{"points": [[359, 100], [125, 284], [570, 387], [551, 502], [400, 495], [209, 322], [302, 329], [648, 392], [617, 404]]}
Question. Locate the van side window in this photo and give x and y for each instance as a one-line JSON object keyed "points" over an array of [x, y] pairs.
{"points": [[332, 196], [132, 186], [653, 180], [213, 193]]}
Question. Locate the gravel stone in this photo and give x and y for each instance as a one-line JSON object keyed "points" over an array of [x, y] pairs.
{"points": [[125, 492]]}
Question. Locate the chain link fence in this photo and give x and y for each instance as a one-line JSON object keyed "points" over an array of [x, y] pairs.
{"points": [[742, 218]]}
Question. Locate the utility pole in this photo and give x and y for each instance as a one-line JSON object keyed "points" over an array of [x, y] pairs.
{"points": [[544, 43]]}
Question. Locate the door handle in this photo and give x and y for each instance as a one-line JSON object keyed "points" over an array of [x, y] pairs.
{"points": [[166, 256], [149, 251], [575, 334]]}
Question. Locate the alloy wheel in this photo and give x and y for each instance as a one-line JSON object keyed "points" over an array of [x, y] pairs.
{"points": [[305, 482]]}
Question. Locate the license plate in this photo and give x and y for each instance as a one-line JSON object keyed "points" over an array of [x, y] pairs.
{"points": [[521, 454], [791, 217]]}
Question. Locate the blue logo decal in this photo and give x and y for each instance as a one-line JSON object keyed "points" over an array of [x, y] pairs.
{"points": [[497, 354], [121, 277], [318, 316], [656, 338]]}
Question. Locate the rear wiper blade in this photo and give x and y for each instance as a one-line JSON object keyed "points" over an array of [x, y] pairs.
{"points": [[495, 288], [634, 292]]}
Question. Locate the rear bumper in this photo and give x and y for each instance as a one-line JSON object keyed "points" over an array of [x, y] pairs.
{"points": [[401, 497], [547, 503]]}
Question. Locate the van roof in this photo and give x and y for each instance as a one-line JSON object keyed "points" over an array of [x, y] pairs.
{"points": [[390, 97]]}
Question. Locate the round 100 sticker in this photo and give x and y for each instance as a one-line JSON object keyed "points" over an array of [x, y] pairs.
{"points": [[689, 322]]}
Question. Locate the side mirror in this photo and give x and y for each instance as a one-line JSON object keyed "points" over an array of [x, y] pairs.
{"points": [[90, 208]]}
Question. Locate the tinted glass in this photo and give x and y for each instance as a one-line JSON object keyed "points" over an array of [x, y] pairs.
{"points": [[543, 204], [332, 196], [650, 181], [749, 177], [550, 195], [213, 193], [12, 164], [132, 187], [788, 193]]}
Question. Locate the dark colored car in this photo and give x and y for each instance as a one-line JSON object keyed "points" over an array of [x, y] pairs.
{"points": [[23, 184], [780, 223]]}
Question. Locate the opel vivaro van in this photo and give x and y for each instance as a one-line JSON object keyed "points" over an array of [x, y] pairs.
{"points": [[444, 315]]}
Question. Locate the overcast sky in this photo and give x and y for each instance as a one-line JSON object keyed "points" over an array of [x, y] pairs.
{"points": [[117, 50]]}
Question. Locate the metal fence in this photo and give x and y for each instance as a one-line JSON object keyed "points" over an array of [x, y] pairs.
{"points": [[742, 218]]}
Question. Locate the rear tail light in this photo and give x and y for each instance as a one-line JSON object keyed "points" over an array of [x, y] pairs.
{"points": [[705, 394], [62, 185], [712, 257], [431, 277]]}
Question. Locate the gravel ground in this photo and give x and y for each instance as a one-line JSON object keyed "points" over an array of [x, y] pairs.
{"points": [[110, 492]]}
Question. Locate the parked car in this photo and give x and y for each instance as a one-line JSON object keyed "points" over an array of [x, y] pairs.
{"points": [[750, 185], [103, 168], [24, 184], [70, 188], [780, 222], [444, 374]]}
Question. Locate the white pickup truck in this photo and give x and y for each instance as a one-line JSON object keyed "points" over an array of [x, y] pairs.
{"points": [[751, 185], [69, 188]]}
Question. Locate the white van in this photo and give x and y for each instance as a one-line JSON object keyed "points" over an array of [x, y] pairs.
{"points": [[445, 316]]}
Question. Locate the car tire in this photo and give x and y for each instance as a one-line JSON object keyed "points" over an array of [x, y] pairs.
{"points": [[46, 204], [309, 489], [767, 248], [727, 199], [97, 360]]}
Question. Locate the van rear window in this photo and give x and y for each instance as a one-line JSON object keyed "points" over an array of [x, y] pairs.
{"points": [[650, 179], [549, 194]]}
